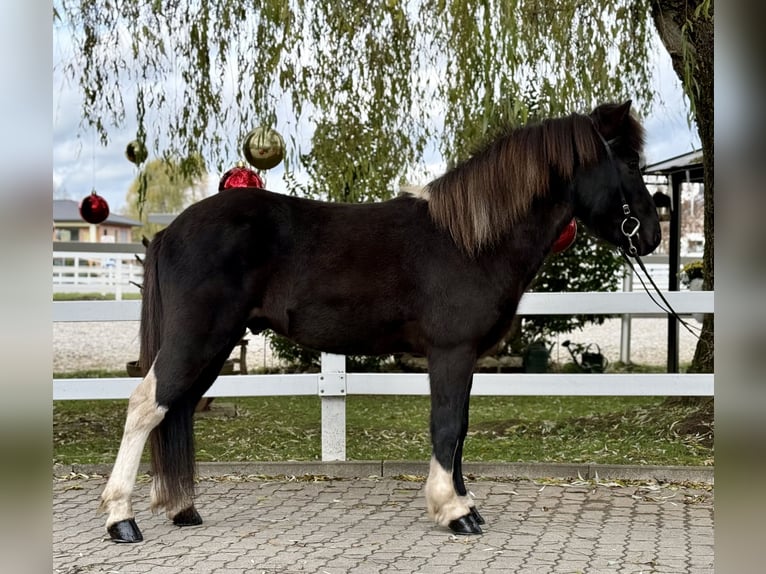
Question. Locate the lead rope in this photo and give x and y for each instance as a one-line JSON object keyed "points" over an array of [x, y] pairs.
{"points": [[668, 309], [633, 252], [629, 232]]}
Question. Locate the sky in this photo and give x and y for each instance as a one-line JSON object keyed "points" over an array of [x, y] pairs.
{"points": [[82, 164]]}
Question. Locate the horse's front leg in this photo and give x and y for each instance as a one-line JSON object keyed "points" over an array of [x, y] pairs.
{"points": [[451, 374], [457, 470]]}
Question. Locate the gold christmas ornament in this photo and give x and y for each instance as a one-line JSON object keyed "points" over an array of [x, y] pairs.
{"points": [[264, 148], [136, 152]]}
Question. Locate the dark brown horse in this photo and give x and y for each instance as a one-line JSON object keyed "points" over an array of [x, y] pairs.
{"points": [[439, 274]]}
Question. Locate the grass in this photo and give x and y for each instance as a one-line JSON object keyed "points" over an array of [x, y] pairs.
{"points": [[93, 296], [615, 430]]}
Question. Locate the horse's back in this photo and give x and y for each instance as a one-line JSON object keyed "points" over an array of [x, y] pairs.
{"points": [[241, 228], [331, 276]]}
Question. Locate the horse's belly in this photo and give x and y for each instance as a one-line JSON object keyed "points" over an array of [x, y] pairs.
{"points": [[352, 332]]}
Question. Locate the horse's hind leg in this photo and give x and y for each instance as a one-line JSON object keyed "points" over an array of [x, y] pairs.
{"points": [[450, 379], [172, 441], [144, 414], [162, 408]]}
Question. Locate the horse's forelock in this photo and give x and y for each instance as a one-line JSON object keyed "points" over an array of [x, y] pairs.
{"points": [[480, 198], [635, 134]]}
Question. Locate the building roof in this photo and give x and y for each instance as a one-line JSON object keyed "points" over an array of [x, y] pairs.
{"points": [[68, 211], [691, 162]]}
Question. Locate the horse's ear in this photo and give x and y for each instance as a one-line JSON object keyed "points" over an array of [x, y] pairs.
{"points": [[610, 118], [623, 111]]}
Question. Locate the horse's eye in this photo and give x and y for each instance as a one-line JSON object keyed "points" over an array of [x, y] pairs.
{"points": [[635, 163]]}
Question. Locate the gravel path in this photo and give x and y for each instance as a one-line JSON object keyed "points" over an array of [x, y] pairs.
{"points": [[648, 341], [110, 345]]}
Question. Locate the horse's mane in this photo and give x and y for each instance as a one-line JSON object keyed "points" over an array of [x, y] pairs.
{"points": [[481, 197]]}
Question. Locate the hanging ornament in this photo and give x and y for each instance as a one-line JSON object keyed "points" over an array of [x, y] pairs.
{"points": [[94, 208], [240, 176], [264, 148], [136, 152], [566, 238]]}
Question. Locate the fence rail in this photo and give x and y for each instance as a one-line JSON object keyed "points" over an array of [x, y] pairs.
{"points": [[112, 271], [485, 384], [113, 267], [589, 303]]}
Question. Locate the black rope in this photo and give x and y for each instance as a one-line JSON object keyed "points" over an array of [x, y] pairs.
{"points": [[669, 309]]}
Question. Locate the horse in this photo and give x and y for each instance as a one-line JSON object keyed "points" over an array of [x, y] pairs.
{"points": [[439, 274]]}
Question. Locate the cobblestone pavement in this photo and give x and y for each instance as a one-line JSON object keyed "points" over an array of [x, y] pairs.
{"points": [[373, 525]]}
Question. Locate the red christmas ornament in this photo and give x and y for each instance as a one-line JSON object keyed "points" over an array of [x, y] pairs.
{"points": [[94, 208], [240, 176], [566, 238]]}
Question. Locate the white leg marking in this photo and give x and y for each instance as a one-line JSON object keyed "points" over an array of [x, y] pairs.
{"points": [[468, 500], [443, 503], [143, 415]]}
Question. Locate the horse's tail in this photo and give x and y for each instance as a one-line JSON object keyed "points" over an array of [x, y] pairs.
{"points": [[151, 308], [172, 441]]}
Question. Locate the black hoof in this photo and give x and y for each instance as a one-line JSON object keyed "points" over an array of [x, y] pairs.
{"points": [[125, 531], [188, 517], [476, 516], [465, 525]]}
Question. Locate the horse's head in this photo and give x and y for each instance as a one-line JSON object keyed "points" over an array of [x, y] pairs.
{"points": [[610, 196]]}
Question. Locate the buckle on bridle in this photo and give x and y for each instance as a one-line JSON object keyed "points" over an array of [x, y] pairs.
{"points": [[629, 233], [629, 219]]}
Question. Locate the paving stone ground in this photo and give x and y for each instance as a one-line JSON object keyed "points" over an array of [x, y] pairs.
{"points": [[373, 525]]}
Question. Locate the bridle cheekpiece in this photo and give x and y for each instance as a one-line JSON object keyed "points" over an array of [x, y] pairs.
{"points": [[630, 224]]}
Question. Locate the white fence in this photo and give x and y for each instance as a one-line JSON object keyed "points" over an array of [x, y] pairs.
{"points": [[110, 268], [88, 267], [333, 384]]}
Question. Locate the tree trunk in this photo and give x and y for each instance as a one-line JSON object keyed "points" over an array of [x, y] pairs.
{"points": [[684, 29]]}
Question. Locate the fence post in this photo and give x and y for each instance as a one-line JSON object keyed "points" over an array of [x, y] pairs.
{"points": [[332, 392], [118, 279], [627, 285]]}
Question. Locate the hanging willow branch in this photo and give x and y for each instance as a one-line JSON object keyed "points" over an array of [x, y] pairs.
{"points": [[375, 82]]}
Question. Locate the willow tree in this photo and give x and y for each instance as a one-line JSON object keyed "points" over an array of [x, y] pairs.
{"points": [[386, 78], [163, 187], [361, 91], [686, 30]]}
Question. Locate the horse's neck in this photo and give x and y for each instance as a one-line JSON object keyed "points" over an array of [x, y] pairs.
{"points": [[520, 254]]}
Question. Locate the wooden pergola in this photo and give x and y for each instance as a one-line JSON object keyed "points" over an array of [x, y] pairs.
{"points": [[686, 168]]}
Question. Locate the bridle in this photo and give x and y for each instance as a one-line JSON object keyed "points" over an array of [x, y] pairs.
{"points": [[630, 224], [629, 228]]}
